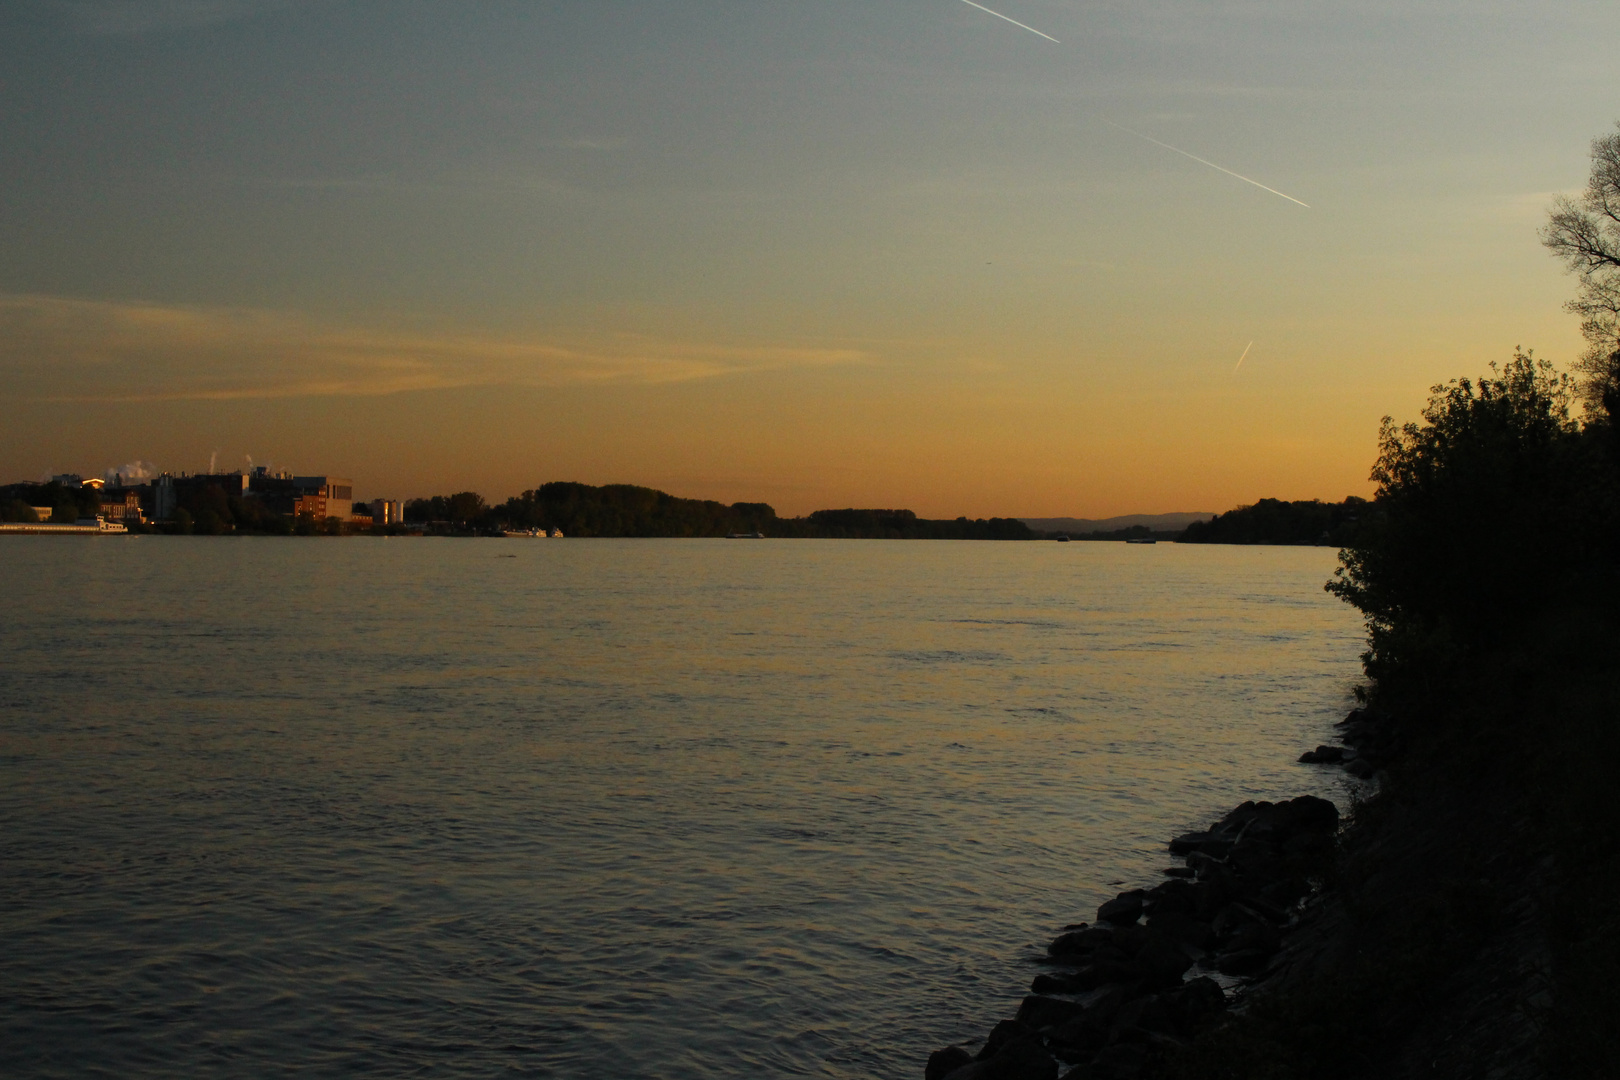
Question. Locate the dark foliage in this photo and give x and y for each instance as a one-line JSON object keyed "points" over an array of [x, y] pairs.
{"points": [[1272, 521], [466, 509], [865, 522], [15, 510], [1489, 511], [68, 504], [1130, 532], [627, 510], [905, 525], [1490, 579]]}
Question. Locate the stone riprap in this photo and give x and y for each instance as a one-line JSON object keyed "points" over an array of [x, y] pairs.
{"points": [[1139, 979]]}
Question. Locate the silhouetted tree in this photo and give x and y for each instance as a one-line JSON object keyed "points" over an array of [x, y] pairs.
{"points": [[1585, 233], [1485, 508], [1272, 521], [465, 508]]}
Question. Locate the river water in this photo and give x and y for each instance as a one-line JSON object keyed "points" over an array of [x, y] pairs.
{"points": [[606, 808]]}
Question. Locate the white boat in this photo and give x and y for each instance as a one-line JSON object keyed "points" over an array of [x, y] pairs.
{"points": [[745, 536]]}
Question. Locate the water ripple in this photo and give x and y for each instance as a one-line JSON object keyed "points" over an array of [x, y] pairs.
{"points": [[670, 810]]}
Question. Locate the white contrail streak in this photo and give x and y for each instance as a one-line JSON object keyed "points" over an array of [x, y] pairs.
{"points": [[1246, 348], [1015, 22], [1195, 157]]}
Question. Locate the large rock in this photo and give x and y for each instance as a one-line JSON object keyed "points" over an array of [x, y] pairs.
{"points": [[1182, 927], [1065, 983], [1093, 975], [1146, 1017], [1170, 896], [1038, 1012], [1020, 1058], [1238, 817], [1276, 823], [1161, 963], [1308, 847], [1121, 1061], [1272, 900], [1199, 999], [1312, 813], [1080, 1038], [1123, 909], [941, 1063], [1000, 1035], [1092, 939], [1255, 858], [1238, 929], [1260, 904], [1215, 891], [1242, 961]]}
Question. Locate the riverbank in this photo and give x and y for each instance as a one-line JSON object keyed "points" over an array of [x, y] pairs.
{"points": [[1157, 966], [1467, 927], [1454, 926]]}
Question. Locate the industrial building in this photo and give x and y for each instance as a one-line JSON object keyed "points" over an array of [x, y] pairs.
{"points": [[320, 498]]}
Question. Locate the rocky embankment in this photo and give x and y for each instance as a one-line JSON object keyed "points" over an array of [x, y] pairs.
{"points": [[1148, 974]]}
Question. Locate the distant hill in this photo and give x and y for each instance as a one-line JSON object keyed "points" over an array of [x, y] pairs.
{"points": [[1158, 523]]}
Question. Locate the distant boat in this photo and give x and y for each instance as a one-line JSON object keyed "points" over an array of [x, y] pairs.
{"points": [[532, 534], [1062, 538], [745, 536], [1142, 540]]}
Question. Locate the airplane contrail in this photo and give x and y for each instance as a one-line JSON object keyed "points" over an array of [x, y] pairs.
{"points": [[1195, 157], [1245, 355], [1015, 22]]}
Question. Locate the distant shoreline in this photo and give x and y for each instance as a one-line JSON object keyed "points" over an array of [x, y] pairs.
{"points": [[260, 503]]}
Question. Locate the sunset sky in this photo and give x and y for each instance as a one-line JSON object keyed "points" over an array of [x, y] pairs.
{"points": [[811, 252]]}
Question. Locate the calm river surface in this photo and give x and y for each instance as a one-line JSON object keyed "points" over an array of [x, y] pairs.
{"points": [[606, 808]]}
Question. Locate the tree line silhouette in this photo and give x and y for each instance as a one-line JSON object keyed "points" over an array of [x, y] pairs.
{"points": [[628, 510]]}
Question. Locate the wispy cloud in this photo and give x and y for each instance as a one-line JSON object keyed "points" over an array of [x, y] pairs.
{"points": [[69, 350]]}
